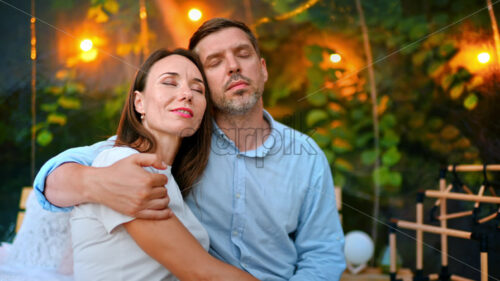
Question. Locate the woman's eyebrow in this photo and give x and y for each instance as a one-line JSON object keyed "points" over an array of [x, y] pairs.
{"points": [[198, 80], [169, 73]]}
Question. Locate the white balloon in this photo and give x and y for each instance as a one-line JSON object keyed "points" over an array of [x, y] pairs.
{"points": [[358, 247]]}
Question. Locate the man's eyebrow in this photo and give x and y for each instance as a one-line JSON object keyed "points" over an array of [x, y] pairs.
{"points": [[214, 55], [243, 46]]}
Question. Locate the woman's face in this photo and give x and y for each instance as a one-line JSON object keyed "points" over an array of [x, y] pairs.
{"points": [[173, 101]]}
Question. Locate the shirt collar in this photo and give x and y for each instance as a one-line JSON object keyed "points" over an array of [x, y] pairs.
{"points": [[260, 151]]}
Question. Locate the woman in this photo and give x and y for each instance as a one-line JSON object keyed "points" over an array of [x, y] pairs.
{"points": [[164, 109]]}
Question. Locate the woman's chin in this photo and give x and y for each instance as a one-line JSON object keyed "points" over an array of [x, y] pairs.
{"points": [[187, 132]]}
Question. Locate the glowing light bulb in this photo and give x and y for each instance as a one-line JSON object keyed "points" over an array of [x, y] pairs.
{"points": [[335, 58], [194, 14], [86, 45], [483, 57]]}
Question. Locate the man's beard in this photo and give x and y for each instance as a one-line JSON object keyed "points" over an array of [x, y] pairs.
{"points": [[236, 106]]}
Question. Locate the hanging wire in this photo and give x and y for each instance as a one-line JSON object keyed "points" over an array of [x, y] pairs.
{"points": [[33, 88], [143, 15]]}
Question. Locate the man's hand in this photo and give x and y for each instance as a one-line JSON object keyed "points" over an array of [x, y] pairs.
{"points": [[129, 189]]}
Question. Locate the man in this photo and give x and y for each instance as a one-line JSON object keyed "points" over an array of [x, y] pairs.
{"points": [[266, 197]]}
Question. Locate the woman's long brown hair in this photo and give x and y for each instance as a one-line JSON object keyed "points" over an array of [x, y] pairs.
{"points": [[192, 157]]}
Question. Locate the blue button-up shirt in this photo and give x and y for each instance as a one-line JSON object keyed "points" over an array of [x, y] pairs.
{"points": [[270, 211]]}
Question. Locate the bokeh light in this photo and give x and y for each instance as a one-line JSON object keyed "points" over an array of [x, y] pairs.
{"points": [[89, 56], [86, 45], [483, 57], [335, 58], [195, 14]]}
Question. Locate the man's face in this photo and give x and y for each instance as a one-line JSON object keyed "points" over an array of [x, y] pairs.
{"points": [[235, 73]]}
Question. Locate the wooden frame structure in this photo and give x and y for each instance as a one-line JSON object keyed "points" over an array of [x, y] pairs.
{"points": [[445, 193]]}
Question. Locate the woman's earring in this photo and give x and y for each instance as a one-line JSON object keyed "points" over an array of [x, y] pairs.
{"points": [[142, 116]]}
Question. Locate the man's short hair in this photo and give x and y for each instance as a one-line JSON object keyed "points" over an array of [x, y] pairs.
{"points": [[217, 24]]}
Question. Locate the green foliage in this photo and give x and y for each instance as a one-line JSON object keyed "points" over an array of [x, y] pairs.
{"points": [[44, 137], [349, 121], [423, 95], [315, 117], [471, 101], [57, 101]]}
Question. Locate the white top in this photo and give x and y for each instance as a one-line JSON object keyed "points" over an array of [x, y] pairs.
{"points": [[103, 249]]}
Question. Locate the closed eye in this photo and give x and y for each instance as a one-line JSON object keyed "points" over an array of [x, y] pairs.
{"points": [[213, 63], [169, 83], [244, 54]]}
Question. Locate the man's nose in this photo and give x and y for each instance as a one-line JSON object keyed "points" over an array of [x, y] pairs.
{"points": [[233, 65]]}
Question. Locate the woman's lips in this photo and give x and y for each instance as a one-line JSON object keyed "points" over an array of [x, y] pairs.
{"points": [[184, 112]]}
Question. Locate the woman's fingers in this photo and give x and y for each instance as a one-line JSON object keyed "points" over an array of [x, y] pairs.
{"points": [[155, 214]]}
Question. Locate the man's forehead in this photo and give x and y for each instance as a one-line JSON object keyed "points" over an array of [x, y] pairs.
{"points": [[231, 37]]}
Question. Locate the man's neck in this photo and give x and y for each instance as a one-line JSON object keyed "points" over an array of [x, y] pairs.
{"points": [[248, 131]]}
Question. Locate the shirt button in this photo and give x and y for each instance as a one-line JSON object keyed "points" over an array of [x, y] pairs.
{"points": [[235, 233], [238, 195], [244, 265], [238, 156]]}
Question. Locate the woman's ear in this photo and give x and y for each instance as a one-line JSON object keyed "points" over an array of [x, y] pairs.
{"points": [[139, 102]]}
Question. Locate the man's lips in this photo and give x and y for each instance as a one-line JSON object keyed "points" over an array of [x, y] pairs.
{"points": [[183, 111], [237, 85]]}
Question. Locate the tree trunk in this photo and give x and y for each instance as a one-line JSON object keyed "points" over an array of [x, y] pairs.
{"points": [[494, 27], [373, 93]]}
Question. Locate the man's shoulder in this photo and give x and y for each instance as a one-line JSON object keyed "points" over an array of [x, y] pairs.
{"points": [[292, 138]]}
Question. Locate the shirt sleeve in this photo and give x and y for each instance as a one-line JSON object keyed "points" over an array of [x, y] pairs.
{"points": [[107, 216], [320, 240], [82, 155]]}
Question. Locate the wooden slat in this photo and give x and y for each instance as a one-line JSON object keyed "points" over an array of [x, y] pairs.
{"points": [[434, 229], [20, 218], [474, 168], [24, 196], [462, 196], [22, 206], [338, 197]]}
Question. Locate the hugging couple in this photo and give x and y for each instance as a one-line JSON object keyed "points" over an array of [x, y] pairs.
{"points": [[164, 200]]}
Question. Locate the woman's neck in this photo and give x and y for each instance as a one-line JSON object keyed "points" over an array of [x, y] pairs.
{"points": [[166, 147]]}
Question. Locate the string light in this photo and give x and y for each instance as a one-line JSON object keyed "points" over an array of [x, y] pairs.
{"points": [[86, 45], [33, 88], [483, 57], [194, 14], [143, 15], [335, 58]]}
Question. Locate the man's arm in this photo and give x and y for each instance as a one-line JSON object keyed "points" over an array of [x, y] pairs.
{"points": [[320, 240], [67, 180]]}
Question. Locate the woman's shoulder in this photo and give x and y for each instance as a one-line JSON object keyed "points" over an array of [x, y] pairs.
{"points": [[109, 156]]}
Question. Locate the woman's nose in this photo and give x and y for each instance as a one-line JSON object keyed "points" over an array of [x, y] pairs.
{"points": [[186, 93]]}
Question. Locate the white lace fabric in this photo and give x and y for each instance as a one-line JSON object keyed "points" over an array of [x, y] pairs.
{"points": [[42, 247]]}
